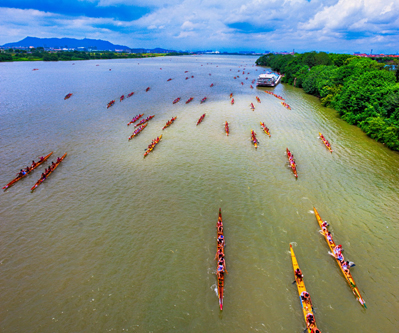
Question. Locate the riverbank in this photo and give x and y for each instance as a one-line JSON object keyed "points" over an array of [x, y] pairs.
{"points": [[22, 55], [363, 91]]}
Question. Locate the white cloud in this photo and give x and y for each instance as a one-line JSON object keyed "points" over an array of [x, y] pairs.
{"points": [[331, 25], [355, 14]]}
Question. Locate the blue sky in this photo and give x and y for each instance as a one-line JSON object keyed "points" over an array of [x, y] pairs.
{"points": [[254, 25]]}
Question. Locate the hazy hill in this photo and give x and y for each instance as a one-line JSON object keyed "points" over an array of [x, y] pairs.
{"points": [[67, 43]]}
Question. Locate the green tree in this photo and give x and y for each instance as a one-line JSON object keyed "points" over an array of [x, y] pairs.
{"points": [[5, 57], [50, 57]]}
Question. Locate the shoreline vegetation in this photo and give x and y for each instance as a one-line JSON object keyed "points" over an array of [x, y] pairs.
{"points": [[363, 91], [39, 54]]}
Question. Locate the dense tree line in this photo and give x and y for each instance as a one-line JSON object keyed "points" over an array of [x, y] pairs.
{"points": [[41, 54], [363, 91]]}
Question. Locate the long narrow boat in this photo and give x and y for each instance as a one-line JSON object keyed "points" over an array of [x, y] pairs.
{"points": [[226, 128], [325, 141], [41, 180], [110, 104], [152, 145], [292, 163], [170, 122], [252, 106], [189, 100], [121, 98], [148, 88], [11, 183], [265, 129], [201, 119], [232, 101], [286, 105], [203, 100], [67, 96], [254, 139], [135, 118], [176, 100], [305, 303], [130, 94], [211, 85], [231, 95], [332, 246], [137, 131], [143, 121], [257, 99], [221, 265]]}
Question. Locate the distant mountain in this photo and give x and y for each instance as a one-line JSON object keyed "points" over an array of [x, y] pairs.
{"points": [[67, 43]]}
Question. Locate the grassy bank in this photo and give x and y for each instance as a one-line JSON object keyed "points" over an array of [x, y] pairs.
{"points": [[41, 55]]}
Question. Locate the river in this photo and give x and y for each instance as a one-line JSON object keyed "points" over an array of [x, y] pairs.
{"points": [[115, 242]]}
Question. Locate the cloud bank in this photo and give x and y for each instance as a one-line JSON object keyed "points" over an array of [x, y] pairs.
{"points": [[254, 25]]}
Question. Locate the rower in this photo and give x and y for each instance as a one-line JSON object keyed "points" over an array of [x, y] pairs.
{"points": [[329, 238], [21, 173], [310, 319], [315, 330], [58, 159], [41, 159], [337, 252], [219, 253], [298, 274], [222, 263], [305, 296], [43, 176], [345, 266], [220, 228], [325, 224], [221, 240], [33, 164], [52, 164]]}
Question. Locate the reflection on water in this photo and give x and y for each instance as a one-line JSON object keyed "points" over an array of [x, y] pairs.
{"points": [[115, 242]]}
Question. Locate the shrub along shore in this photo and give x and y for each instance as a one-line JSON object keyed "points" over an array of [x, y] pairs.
{"points": [[40, 55], [365, 92]]}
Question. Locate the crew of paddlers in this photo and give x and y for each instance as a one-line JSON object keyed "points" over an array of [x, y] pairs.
{"points": [[50, 168], [270, 93], [286, 105]]}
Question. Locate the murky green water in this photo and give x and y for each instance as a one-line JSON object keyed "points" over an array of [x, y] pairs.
{"points": [[115, 242]]}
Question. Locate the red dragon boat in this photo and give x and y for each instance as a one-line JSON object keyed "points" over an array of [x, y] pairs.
{"points": [[200, 119], [135, 119], [170, 122]]}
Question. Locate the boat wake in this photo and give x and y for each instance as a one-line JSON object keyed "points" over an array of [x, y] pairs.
{"points": [[215, 289]]}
